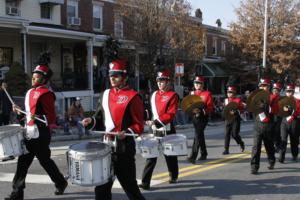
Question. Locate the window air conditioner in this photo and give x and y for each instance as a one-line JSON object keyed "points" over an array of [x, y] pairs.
{"points": [[12, 11], [74, 21]]}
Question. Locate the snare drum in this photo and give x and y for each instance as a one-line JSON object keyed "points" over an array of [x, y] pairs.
{"points": [[11, 141], [174, 145], [89, 163], [149, 147]]}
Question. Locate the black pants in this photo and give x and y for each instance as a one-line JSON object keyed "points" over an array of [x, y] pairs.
{"points": [[172, 164], [262, 134], [4, 119], [232, 128], [40, 148], [275, 131], [199, 123], [125, 170], [289, 129]]}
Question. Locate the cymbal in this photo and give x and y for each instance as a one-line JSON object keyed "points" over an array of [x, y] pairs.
{"points": [[261, 96], [229, 107], [249, 99], [191, 102], [286, 101]]}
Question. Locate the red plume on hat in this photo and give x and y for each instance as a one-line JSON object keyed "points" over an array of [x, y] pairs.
{"points": [[163, 74], [117, 67]]}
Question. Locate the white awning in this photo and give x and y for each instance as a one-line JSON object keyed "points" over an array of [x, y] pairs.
{"points": [[54, 2], [59, 33]]}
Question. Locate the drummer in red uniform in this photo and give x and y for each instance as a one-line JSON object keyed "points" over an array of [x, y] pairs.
{"points": [[120, 110], [200, 119], [164, 104], [39, 101], [232, 127]]}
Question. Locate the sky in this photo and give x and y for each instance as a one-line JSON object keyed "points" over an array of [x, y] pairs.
{"points": [[214, 9]]}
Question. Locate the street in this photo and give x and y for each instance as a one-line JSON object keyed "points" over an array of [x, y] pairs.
{"points": [[218, 177]]}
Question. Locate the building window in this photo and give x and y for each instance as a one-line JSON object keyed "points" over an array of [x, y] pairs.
{"points": [[118, 26], [214, 47], [223, 47], [46, 11], [97, 17], [12, 8], [6, 56], [72, 8]]}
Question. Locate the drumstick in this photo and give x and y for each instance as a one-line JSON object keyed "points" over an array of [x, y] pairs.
{"points": [[115, 133], [21, 111]]}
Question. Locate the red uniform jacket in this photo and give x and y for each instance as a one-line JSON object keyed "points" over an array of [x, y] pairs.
{"points": [[207, 98], [274, 98], [236, 100], [43, 96], [164, 106], [120, 110]]}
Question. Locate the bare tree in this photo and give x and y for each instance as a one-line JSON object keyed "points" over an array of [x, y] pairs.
{"points": [[283, 50], [163, 27]]}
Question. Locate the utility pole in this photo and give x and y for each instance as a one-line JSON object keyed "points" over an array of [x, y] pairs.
{"points": [[265, 35]]}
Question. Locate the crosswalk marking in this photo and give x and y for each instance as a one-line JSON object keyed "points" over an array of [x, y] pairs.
{"points": [[45, 179]]}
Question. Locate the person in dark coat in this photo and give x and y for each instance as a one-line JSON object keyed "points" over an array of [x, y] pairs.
{"points": [[5, 106]]}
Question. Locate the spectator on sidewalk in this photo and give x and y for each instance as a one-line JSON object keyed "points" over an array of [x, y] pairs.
{"points": [[5, 106], [75, 116]]}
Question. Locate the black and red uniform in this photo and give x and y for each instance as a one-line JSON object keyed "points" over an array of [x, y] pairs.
{"points": [[232, 127], [120, 110], [289, 127], [262, 133], [200, 121], [275, 120], [164, 105], [39, 101]]}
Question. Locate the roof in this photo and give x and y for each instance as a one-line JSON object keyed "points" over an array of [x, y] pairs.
{"points": [[213, 70]]}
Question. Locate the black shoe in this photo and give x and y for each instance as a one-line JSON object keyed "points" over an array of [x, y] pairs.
{"points": [[15, 196], [61, 190], [225, 152], [295, 158], [191, 160], [173, 180], [242, 145], [202, 157], [281, 160], [254, 171], [271, 166], [144, 186]]}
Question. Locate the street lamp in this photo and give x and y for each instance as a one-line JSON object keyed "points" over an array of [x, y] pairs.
{"points": [[265, 34]]}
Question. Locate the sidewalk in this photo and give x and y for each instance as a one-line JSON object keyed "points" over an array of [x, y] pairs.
{"points": [[64, 137]]}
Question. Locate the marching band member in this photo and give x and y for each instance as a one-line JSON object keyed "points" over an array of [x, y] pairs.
{"points": [[200, 119], [289, 126], [262, 132], [275, 119], [39, 101], [164, 104], [120, 110], [232, 127]]}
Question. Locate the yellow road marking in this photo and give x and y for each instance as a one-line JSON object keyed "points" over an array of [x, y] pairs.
{"points": [[217, 164], [206, 165]]}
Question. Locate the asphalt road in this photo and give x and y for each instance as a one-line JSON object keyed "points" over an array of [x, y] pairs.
{"points": [[217, 178]]}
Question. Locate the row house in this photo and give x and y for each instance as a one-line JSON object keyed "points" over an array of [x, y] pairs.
{"points": [[73, 31]]}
